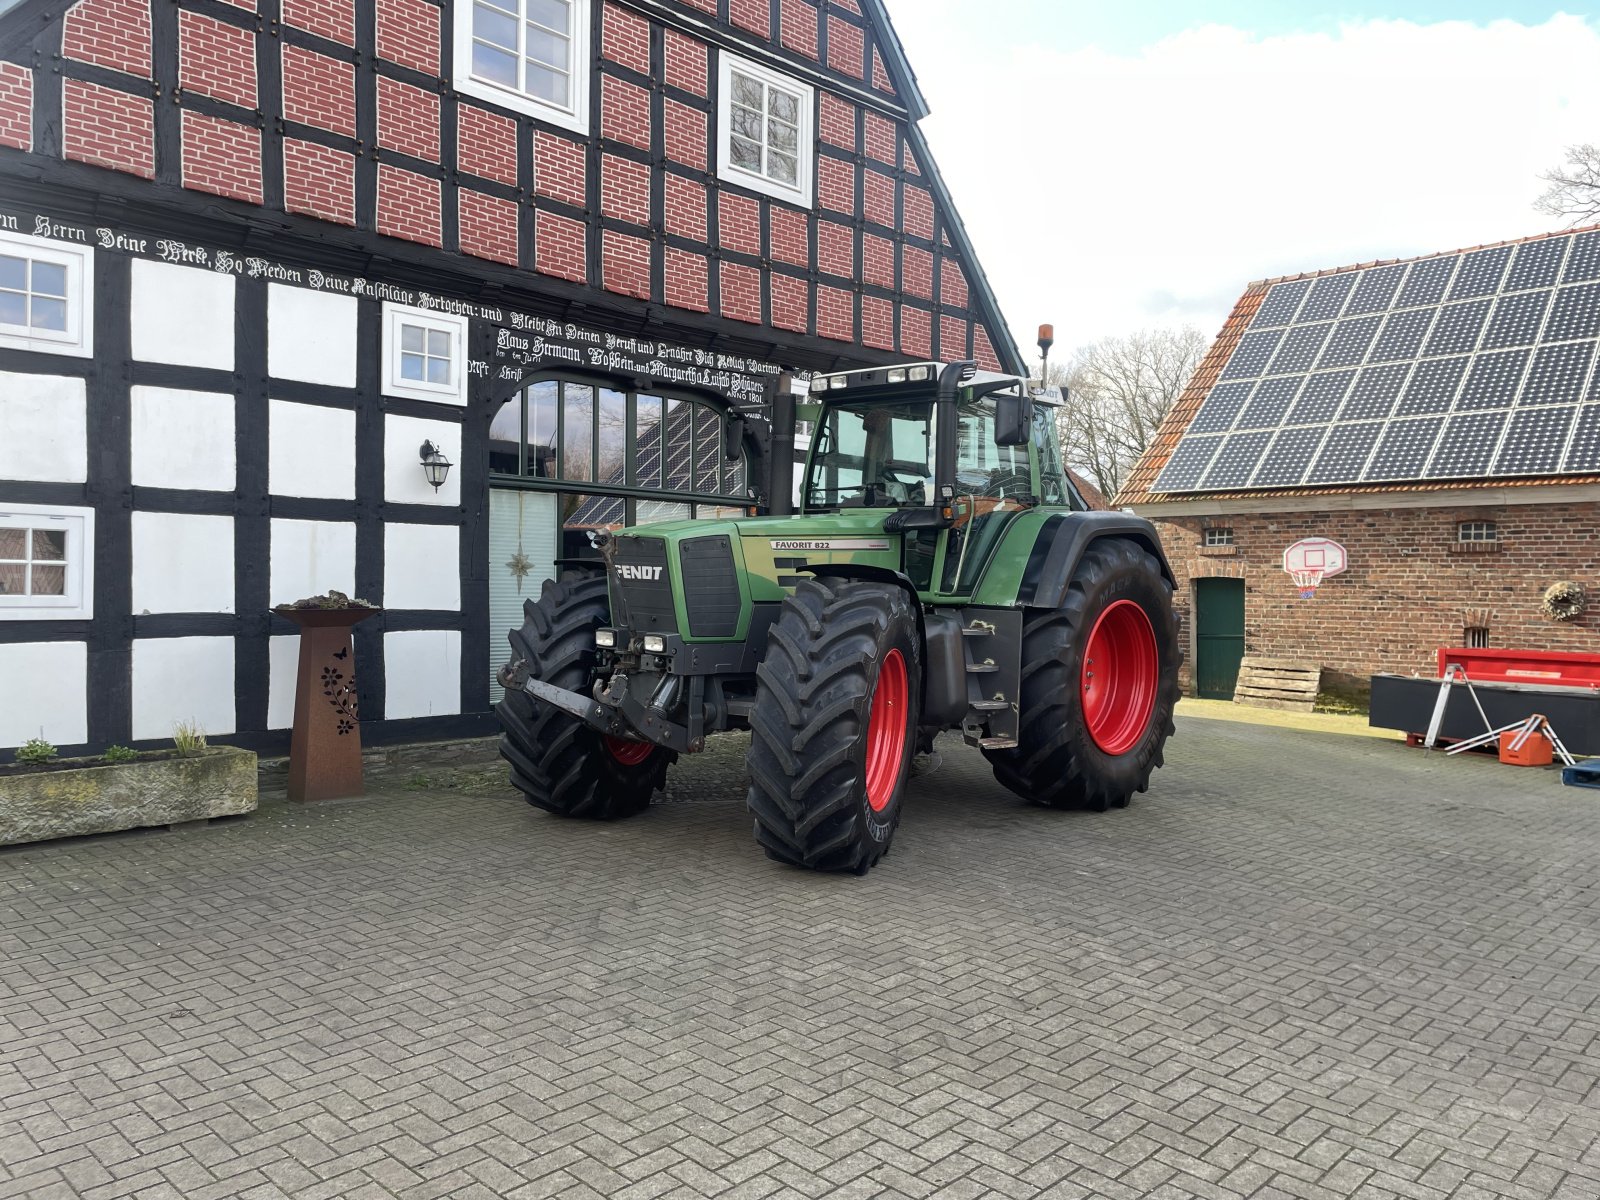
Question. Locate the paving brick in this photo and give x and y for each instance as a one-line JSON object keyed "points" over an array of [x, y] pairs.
{"points": [[1255, 982]]}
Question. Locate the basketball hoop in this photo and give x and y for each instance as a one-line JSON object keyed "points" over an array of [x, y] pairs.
{"points": [[1307, 582]]}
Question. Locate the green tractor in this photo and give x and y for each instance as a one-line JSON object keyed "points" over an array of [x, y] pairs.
{"points": [[941, 573]]}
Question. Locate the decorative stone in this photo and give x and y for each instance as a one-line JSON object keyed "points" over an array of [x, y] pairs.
{"points": [[64, 800]]}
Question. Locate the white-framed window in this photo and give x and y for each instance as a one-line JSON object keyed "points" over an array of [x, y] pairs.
{"points": [[424, 355], [765, 130], [46, 562], [1219, 537], [528, 55], [1477, 531], [45, 295]]}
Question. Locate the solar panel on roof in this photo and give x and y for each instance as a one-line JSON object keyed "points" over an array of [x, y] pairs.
{"points": [[1402, 335], [1236, 461], [1375, 392], [1457, 328], [1188, 462], [1288, 457], [1327, 297], [1466, 446], [1220, 408], [1535, 440], [1583, 452], [1298, 349], [1281, 302], [1537, 264], [1557, 373], [1403, 450], [1432, 386], [1268, 404], [1583, 262], [1344, 453], [1321, 396], [1376, 289], [1516, 320], [1350, 341], [1457, 366], [1480, 272]]}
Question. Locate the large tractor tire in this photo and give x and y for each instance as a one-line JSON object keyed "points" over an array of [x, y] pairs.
{"points": [[1099, 682], [834, 728], [557, 762]]}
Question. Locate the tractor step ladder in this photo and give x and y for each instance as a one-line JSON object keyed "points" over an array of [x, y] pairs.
{"points": [[993, 687]]}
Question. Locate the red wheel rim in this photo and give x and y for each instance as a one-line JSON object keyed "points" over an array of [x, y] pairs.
{"points": [[886, 731], [1120, 669], [626, 752]]}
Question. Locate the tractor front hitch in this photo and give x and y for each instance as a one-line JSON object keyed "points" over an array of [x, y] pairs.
{"points": [[612, 711]]}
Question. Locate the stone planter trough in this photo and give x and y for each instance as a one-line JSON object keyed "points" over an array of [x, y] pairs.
{"points": [[79, 796]]}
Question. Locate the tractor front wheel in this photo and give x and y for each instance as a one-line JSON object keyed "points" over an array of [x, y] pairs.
{"points": [[835, 724], [1099, 682], [558, 762]]}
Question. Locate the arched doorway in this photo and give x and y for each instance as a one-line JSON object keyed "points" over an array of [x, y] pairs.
{"points": [[570, 454]]}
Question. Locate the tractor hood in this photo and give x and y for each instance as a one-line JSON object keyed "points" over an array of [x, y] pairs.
{"points": [[702, 578]]}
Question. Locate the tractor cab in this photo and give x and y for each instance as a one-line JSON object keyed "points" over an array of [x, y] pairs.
{"points": [[950, 454]]}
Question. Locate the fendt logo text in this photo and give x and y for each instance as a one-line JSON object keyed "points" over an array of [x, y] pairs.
{"points": [[641, 573]]}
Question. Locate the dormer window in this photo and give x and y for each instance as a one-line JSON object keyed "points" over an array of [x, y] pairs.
{"points": [[527, 55]]}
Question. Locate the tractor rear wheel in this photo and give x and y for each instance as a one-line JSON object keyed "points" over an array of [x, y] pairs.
{"points": [[1099, 682], [834, 727], [557, 762]]}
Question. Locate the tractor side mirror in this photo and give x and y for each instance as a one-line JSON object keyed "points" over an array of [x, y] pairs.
{"points": [[733, 437], [1013, 420]]}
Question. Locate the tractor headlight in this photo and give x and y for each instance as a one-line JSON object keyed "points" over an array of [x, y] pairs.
{"points": [[654, 644], [918, 374], [605, 637], [897, 374]]}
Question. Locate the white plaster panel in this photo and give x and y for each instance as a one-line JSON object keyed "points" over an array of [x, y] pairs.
{"points": [[187, 679], [183, 439], [44, 693], [311, 450], [283, 661], [182, 563], [311, 336], [421, 673], [43, 435], [182, 315], [312, 557], [421, 566], [403, 480]]}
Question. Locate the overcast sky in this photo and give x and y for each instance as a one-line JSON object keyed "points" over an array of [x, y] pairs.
{"points": [[1125, 165]]}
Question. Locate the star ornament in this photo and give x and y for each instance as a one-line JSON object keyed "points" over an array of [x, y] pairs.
{"points": [[521, 566]]}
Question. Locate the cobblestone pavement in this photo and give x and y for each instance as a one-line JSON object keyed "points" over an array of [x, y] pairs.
{"points": [[1302, 966]]}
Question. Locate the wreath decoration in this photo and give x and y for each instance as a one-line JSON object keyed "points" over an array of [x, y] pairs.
{"points": [[1563, 601]]}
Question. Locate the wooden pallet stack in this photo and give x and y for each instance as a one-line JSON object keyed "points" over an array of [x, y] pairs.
{"points": [[1277, 683]]}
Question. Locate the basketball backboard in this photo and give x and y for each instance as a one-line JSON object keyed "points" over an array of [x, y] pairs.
{"points": [[1316, 554]]}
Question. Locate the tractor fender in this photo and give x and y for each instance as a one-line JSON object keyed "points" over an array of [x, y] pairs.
{"points": [[1060, 543]]}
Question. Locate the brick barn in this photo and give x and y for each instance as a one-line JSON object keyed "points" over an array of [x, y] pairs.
{"points": [[254, 254], [1438, 418]]}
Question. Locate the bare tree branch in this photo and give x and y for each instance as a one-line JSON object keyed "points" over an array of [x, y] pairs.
{"points": [[1118, 391], [1574, 191]]}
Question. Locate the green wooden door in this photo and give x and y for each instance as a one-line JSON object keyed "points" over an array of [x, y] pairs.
{"points": [[1219, 636]]}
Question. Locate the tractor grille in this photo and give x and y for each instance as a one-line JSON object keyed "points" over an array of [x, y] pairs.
{"points": [[710, 586], [641, 587]]}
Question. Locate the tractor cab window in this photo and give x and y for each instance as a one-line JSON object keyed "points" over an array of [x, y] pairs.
{"points": [[872, 455], [983, 468], [1052, 473]]}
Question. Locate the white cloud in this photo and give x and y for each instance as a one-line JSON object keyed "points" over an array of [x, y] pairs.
{"points": [[1109, 192]]}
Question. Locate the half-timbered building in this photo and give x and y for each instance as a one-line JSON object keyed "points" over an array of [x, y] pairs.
{"points": [[259, 258]]}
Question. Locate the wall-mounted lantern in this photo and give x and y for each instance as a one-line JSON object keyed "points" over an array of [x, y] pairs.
{"points": [[434, 464]]}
